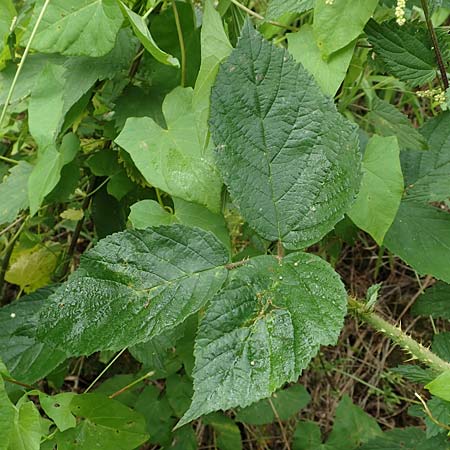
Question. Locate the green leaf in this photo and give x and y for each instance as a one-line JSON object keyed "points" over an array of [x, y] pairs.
{"points": [[142, 32], [226, 432], [339, 23], [406, 51], [26, 433], [440, 386], [416, 374], [132, 286], [179, 393], [47, 171], [273, 128], [27, 359], [107, 424], [150, 213], [435, 302], [7, 413], [389, 121], [7, 13], [262, 329], [329, 73], [215, 47], [174, 160], [58, 408], [381, 189], [286, 403], [441, 345], [307, 436], [76, 27], [34, 267], [440, 410], [410, 438], [278, 8], [352, 427], [13, 192]]}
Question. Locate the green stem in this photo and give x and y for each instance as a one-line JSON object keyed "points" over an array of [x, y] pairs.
{"points": [[133, 383], [399, 337], [181, 40], [434, 39], [22, 61]]}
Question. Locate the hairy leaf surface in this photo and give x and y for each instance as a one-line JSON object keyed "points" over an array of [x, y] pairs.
{"points": [[132, 286], [263, 328], [290, 161]]}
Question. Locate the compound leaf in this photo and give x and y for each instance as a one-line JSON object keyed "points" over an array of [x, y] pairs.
{"points": [[275, 130], [132, 286], [406, 51], [381, 190], [262, 329], [71, 27], [341, 22]]}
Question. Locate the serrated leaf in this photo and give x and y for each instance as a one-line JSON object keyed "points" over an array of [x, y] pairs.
{"points": [[71, 27], [262, 329], [381, 189], [27, 359], [274, 128], [406, 51], [416, 374], [143, 34], [341, 22], [329, 73], [174, 160], [278, 8], [389, 121], [286, 403], [147, 213], [132, 286], [410, 438], [13, 192], [106, 423]]}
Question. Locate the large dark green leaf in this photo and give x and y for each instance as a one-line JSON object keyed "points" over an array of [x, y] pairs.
{"points": [[290, 161], [263, 328], [406, 51], [27, 359], [435, 302], [132, 286]]}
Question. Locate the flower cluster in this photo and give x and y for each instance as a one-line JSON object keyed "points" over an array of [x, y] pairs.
{"points": [[400, 12], [329, 2], [437, 95]]}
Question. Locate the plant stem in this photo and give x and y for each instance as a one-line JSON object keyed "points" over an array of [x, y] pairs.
{"points": [[181, 40], [437, 50], [133, 383], [399, 337], [22, 61], [258, 16]]}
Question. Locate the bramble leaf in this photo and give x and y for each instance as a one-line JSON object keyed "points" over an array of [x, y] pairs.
{"points": [[381, 189], [132, 286], [262, 329], [276, 132]]}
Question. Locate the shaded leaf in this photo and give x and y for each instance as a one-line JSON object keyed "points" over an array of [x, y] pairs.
{"points": [[441, 345], [132, 286], [227, 433], [381, 189], [273, 128], [435, 302], [278, 8], [262, 329]]}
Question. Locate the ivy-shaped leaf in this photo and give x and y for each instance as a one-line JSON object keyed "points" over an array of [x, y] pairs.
{"points": [[290, 160], [263, 328], [76, 27], [132, 286]]}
